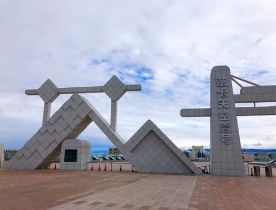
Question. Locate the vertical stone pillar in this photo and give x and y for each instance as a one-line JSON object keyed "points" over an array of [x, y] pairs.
{"points": [[46, 112], [226, 153], [2, 155], [113, 118]]}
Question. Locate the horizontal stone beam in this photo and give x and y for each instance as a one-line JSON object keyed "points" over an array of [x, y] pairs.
{"points": [[259, 89], [240, 111], [252, 111], [96, 89], [31, 92], [133, 87], [255, 97], [195, 112], [72, 90]]}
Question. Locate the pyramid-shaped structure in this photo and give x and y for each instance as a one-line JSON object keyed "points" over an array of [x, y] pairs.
{"points": [[149, 150]]}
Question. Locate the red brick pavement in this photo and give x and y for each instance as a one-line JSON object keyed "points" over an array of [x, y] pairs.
{"points": [[43, 189], [224, 192]]}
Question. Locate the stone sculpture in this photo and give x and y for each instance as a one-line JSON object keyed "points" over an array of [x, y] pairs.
{"points": [[148, 150], [226, 153]]}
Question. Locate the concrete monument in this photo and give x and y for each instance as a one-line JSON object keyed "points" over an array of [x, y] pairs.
{"points": [[148, 150], [226, 154]]}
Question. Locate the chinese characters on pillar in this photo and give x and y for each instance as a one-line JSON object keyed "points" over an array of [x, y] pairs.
{"points": [[223, 106]]}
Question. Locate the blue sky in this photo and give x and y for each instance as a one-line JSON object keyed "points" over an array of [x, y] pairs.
{"points": [[169, 47]]}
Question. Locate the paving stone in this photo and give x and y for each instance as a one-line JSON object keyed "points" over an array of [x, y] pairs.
{"points": [[111, 204], [54, 189], [95, 203], [127, 206], [80, 202]]}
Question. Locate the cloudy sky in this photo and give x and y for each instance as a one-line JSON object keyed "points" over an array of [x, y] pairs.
{"points": [[169, 47]]}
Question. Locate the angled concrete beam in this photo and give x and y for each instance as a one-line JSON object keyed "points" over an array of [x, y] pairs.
{"points": [[252, 83], [237, 82]]}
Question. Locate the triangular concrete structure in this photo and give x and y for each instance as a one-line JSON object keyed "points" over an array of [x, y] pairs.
{"points": [[73, 118], [68, 122], [157, 153]]}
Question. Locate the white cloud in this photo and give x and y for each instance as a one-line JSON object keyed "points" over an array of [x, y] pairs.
{"points": [[178, 41]]}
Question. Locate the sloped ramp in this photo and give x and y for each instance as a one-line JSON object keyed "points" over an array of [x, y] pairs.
{"points": [[71, 120]]}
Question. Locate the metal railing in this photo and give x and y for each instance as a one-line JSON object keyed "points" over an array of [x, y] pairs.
{"points": [[109, 166], [250, 169], [204, 169]]}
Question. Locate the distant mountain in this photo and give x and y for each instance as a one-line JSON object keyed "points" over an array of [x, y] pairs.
{"points": [[252, 150], [260, 150], [105, 150], [100, 151]]}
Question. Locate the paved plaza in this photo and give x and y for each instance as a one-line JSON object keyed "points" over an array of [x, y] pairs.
{"points": [[55, 189]]}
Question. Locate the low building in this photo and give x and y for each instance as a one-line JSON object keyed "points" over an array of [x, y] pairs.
{"points": [[273, 155], [187, 153], [248, 156], [114, 151], [9, 153], [262, 156], [195, 153]]}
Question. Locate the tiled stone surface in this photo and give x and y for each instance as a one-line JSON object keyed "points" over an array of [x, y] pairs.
{"points": [[221, 192], [155, 152], [114, 88], [73, 118], [156, 156], [240, 111], [68, 122], [226, 155], [258, 89], [45, 189], [253, 111], [2, 154], [83, 154], [256, 94], [195, 112], [46, 112], [157, 191], [48, 91], [113, 117]]}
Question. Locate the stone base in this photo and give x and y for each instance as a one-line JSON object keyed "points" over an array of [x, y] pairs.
{"points": [[83, 154]]}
